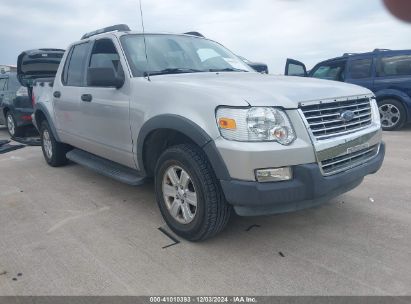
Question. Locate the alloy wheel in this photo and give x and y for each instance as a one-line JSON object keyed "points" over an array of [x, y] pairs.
{"points": [[390, 115], [179, 194], [48, 148], [10, 125]]}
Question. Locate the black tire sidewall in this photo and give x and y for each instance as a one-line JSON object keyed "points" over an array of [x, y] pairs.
{"points": [[401, 109], [184, 161]]}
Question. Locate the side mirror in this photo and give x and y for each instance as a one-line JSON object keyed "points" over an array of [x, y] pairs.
{"points": [[104, 77]]}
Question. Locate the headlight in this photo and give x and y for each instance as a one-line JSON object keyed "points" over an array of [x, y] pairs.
{"points": [[255, 124], [375, 112]]}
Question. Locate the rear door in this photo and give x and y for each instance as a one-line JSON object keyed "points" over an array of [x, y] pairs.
{"points": [[295, 68], [105, 116], [394, 72], [360, 71]]}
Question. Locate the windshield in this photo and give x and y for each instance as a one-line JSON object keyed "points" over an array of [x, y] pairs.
{"points": [[171, 54]]}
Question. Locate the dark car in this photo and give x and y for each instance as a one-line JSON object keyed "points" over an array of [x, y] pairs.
{"points": [[15, 104], [385, 72], [257, 66]]}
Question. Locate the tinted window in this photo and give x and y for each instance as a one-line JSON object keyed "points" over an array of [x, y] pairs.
{"points": [[361, 68], [76, 65], [6, 85], [295, 70], [330, 70], [13, 84], [395, 66], [104, 55], [2, 83]]}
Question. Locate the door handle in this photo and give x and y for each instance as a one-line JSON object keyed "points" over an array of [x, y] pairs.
{"points": [[86, 97], [57, 94]]}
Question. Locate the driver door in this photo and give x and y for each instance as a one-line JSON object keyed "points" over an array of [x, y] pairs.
{"points": [[295, 68], [106, 110]]}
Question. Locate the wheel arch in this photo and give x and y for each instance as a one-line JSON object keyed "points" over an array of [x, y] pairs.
{"points": [[41, 113], [5, 110], [396, 95], [163, 131]]}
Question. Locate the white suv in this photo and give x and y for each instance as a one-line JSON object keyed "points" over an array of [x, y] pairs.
{"points": [[214, 134]]}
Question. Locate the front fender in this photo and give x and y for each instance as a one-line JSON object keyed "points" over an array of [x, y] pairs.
{"points": [[191, 130]]}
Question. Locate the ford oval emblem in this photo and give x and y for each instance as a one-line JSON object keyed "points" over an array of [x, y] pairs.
{"points": [[347, 115]]}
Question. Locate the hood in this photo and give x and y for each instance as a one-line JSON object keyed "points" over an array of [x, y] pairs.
{"points": [[262, 90]]}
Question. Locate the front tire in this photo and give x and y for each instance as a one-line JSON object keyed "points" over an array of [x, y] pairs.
{"points": [[54, 152], [12, 128], [189, 195], [392, 114]]}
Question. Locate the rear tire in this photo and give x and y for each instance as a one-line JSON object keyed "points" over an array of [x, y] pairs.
{"points": [[392, 113], [11, 124], [54, 152], [189, 195]]}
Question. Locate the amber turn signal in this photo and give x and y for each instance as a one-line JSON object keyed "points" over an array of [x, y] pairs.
{"points": [[227, 123]]}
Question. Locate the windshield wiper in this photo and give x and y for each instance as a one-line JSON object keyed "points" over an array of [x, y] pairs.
{"points": [[227, 70], [173, 71]]}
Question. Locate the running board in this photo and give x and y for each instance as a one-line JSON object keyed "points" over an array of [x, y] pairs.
{"points": [[106, 167]]}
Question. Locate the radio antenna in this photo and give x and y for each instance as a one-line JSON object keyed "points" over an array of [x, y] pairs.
{"points": [[146, 74]]}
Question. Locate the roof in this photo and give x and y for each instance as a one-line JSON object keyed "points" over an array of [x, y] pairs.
{"points": [[374, 52]]}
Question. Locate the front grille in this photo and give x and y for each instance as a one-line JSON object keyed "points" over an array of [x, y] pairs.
{"points": [[347, 161], [324, 119]]}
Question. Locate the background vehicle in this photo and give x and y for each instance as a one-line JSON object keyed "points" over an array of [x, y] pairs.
{"points": [[15, 105], [257, 66], [7, 68], [387, 73], [214, 134]]}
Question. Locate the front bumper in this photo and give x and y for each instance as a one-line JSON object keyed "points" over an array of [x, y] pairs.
{"points": [[307, 189]]}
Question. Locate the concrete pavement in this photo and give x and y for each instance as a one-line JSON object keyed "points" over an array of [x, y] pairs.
{"points": [[70, 231]]}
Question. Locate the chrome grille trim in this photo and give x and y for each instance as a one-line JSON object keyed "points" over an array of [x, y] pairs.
{"points": [[323, 117], [348, 160]]}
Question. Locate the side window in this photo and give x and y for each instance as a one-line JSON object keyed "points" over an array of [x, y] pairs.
{"points": [[74, 76], [330, 70], [394, 66], [104, 55], [6, 84], [2, 83], [360, 68], [13, 84], [296, 70]]}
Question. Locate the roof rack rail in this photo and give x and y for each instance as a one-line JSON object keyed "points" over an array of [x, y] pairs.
{"points": [[194, 34], [381, 50], [349, 54], [113, 28]]}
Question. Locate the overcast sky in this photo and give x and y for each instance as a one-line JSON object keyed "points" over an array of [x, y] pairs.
{"points": [[260, 30]]}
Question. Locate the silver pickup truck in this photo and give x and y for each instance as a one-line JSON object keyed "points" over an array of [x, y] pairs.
{"points": [[212, 133]]}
